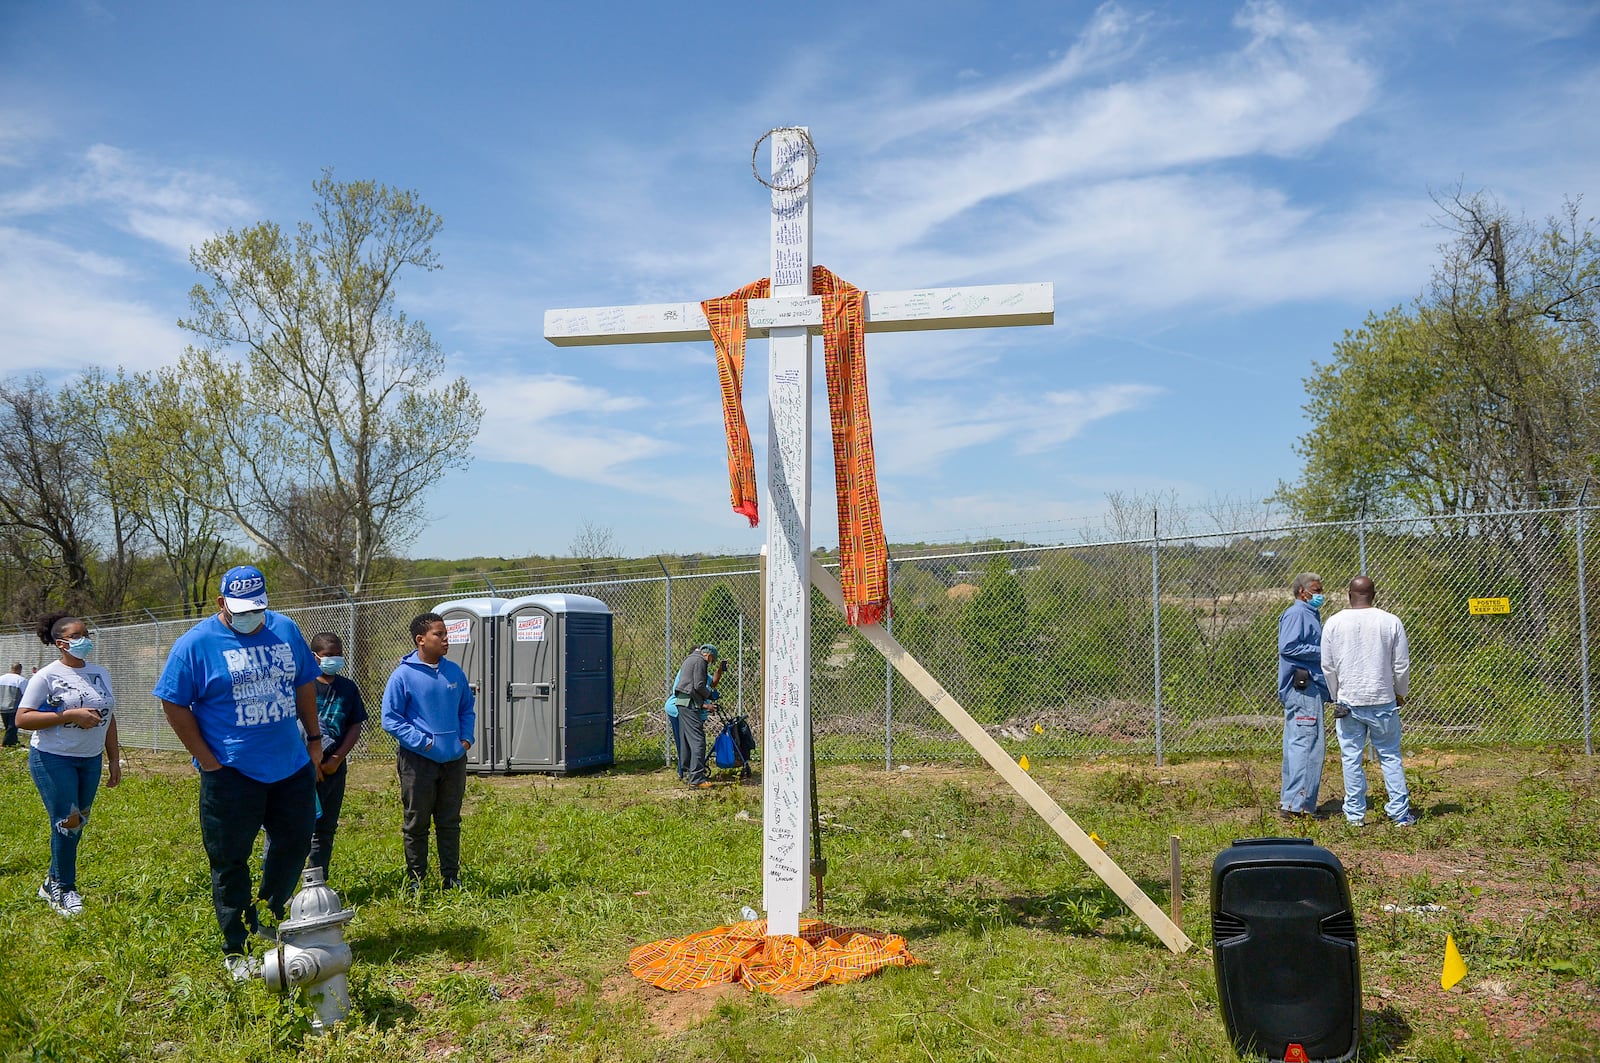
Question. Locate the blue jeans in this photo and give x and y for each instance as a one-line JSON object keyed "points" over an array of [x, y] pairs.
{"points": [[1380, 725], [1304, 745], [234, 808], [67, 785]]}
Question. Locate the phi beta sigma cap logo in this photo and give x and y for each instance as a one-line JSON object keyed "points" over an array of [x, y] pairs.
{"points": [[244, 588]]}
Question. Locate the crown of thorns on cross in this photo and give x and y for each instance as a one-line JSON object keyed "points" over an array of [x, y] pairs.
{"points": [[785, 165]]}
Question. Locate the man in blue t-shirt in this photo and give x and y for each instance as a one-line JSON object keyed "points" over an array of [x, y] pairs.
{"points": [[232, 689]]}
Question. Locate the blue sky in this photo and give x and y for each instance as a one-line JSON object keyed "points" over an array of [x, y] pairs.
{"points": [[1217, 192]]}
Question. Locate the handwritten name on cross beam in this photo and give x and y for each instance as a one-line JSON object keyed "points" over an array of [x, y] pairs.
{"points": [[912, 310]]}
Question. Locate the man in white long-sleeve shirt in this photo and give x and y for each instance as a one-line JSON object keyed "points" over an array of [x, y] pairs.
{"points": [[1367, 663]]}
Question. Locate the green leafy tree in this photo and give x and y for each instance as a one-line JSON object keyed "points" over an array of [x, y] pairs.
{"points": [[159, 482], [1483, 394], [716, 620], [998, 637], [335, 417]]}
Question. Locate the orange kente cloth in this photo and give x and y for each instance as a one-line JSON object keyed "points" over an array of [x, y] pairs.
{"points": [[863, 551], [782, 964]]}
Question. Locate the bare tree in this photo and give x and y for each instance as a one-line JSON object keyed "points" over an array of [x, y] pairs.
{"points": [[593, 542], [48, 510]]}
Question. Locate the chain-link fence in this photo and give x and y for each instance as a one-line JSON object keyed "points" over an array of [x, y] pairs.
{"points": [[1150, 647]]}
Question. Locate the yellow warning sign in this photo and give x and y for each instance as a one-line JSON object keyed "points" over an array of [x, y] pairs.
{"points": [[1484, 606]]}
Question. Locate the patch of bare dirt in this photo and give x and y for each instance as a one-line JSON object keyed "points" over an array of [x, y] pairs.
{"points": [[674, 1012], [667, 1011]]}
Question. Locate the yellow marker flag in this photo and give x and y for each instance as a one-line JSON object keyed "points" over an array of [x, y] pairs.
{"points": [[1038, 728], [1101, 842], [1022, 762], [1455, 968]]}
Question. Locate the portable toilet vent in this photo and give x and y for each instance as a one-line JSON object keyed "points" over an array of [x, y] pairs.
{"points": [[1284, 945], [472, 626]]}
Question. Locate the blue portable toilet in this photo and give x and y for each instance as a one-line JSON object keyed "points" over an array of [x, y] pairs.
{"points": [[554, 678]]}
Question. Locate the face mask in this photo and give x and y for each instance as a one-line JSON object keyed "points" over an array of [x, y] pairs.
{"points": [[81, 647], [248, 623], [1315, 601], [332, 665]]}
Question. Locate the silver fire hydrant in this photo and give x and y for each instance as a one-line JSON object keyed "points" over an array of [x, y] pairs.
{"points": [[311, 951]]}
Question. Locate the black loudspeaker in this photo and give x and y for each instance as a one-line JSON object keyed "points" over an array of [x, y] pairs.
{"points": [[1284, 945]]}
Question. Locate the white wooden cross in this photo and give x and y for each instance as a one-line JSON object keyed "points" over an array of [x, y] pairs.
{"points": [[789, 318]]}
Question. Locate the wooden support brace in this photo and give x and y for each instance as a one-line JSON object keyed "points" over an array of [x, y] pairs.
{"points": [[998, 759]]}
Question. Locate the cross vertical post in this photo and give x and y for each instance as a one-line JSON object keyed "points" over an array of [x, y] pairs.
{"points": [[789, 318], [786, 749]]}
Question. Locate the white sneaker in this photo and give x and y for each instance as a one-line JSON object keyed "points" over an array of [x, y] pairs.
{"points": [[71, 903], [241, 966]]}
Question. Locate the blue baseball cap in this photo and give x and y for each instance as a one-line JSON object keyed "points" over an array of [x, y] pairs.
{"points": [[244, 589], [708, 648]]}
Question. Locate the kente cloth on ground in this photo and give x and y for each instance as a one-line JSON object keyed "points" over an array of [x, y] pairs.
{"points": [[744, 953], [863, 551]]}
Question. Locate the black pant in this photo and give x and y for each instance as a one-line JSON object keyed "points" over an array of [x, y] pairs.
{"points": [[11, 728], [330, 791], [431, 792], [234, 808]]}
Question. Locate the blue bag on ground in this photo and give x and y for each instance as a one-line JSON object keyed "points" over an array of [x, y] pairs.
{"points": [[725, 752]]}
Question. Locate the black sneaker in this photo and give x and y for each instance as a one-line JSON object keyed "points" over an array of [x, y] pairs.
{"points": [[450, 883], [50, 893]]}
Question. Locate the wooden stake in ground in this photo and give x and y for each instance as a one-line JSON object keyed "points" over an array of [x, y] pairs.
{"points": [[789, 319], [998, 759]]}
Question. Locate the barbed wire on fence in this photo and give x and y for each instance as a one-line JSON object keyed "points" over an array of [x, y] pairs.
{"points": [[1056, 649]]}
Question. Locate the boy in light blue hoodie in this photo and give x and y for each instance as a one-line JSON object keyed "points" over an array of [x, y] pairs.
{"points": [[429, 708]]}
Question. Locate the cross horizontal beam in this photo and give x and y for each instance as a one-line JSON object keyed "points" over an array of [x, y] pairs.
{"points": [[911, 310]]}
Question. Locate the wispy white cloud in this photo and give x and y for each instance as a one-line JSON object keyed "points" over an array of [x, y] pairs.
{"points": [[918, 436], [173, 208], [576, 430], [65, 309]]}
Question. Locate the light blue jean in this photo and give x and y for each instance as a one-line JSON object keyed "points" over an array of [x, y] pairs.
{"points": [[1304, 745], [67, 785], [1380, 725]]}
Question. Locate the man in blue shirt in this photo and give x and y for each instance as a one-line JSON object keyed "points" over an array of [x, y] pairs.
{"points": [[429, 707], [232, 689], [1303, 691]]}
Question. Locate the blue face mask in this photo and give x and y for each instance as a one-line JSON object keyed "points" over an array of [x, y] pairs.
{"points": [[1315, 601], [81, 647], [332, 665], [247, 623]]}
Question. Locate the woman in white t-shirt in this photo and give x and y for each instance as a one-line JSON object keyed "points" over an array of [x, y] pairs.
{"points": [[69, 708]]}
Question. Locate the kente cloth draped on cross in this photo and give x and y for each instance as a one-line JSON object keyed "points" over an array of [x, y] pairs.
{"points": [[743, 953], [863, 552]]}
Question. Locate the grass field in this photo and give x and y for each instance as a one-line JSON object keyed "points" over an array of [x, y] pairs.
{"points": [[1027, 956]]}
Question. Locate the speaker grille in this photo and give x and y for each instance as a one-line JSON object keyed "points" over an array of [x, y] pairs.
{"points": [[1341, 925], [1225, 927]]}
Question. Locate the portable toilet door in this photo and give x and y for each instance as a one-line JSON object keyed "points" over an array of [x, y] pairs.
{"points": [[555, 657], [471, 625]]}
